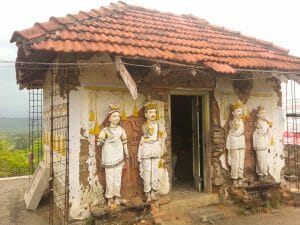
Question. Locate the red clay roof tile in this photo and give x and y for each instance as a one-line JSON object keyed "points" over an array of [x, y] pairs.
{"points": [[134, 31]]}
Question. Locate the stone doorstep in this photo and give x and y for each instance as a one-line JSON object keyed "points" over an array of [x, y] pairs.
{"points": [[198, 199]]}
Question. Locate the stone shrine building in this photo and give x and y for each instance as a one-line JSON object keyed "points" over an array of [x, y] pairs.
{"points": [[196, 73]]}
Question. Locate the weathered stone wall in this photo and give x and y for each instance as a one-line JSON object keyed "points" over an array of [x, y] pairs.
{"points": [[220, 176]]}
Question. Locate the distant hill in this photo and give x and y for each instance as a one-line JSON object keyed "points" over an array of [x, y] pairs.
{"points": [[13, 124]]}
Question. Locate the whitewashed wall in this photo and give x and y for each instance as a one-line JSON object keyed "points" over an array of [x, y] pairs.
{"points": [[262, 93], [99, 88]]}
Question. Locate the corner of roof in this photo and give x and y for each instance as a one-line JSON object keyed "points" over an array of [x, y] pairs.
{"points": [[17, 35], [250, 38]]}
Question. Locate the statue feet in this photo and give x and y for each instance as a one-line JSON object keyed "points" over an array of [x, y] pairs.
{"points": [[148, 196], [235, 183], [153, 195], [117, 201], [110, 202], [238, 183], [261, 179], [241, 182]]}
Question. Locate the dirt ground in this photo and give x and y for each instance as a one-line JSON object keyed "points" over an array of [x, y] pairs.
{"points": [[233, 215], [12, 205], [13, 211]]}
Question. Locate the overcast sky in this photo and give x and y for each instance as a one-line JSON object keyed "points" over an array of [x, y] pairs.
{"points": [[277, 21]]}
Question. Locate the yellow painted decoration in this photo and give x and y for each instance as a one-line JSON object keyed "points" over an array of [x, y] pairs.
{"points": [[161, 164], [135, 110], [272, 141], [54, 142], [270, 123], [91, 131], [224, 115], [157, 115], [58, 145], [97, 128], [244, 117], [124, 116], [92, 116], [92, 127], [237, 105], [160, 134], [63, 147]]}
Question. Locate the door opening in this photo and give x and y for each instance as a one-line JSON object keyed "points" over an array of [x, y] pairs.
{"points": [[187, 153]]}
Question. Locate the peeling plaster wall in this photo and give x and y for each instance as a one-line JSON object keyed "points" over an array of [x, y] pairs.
{"points": [[262, 93], [99, 88], [59, 135]]}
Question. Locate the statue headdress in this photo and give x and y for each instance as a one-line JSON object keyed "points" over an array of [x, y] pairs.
{"points": [[236, 105], [260, 108], [150, 104], [114, 108]]}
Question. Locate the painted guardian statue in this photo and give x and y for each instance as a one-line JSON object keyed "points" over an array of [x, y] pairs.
{"points": [[150, 151], [114, 150], [262, 142], [235, 144]]}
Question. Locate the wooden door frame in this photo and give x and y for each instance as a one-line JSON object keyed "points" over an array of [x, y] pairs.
{"points": [[205, 131]]}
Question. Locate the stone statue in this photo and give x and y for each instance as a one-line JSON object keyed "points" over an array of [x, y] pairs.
{"points": [[235, 144], [114, 150], [150, 151], [262, 142]]}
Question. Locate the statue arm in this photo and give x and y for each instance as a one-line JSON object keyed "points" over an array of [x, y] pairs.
{"points": [[162, 134], [124, 142], [102, 137]]}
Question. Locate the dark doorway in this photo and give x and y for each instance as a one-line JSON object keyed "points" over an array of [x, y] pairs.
{"points": [[186, 115]]}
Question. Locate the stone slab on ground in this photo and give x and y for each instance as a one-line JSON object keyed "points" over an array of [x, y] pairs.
{"points": [[38, 185]]}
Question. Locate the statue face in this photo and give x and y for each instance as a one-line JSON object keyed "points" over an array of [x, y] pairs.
{"points": [[114, 118], [237, 113], [262, 114], [150, 114]]}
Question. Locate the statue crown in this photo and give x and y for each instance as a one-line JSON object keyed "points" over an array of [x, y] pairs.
{"points": [[236, 105], [261, 108], [150, 104], [114, 108]]}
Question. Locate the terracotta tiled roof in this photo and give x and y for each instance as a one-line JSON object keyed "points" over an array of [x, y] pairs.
{"points": [[138, 32]]}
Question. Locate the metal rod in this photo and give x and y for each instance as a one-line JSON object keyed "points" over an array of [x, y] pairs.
{"points": [[287, 133], [51, 202], [67, 160]]}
